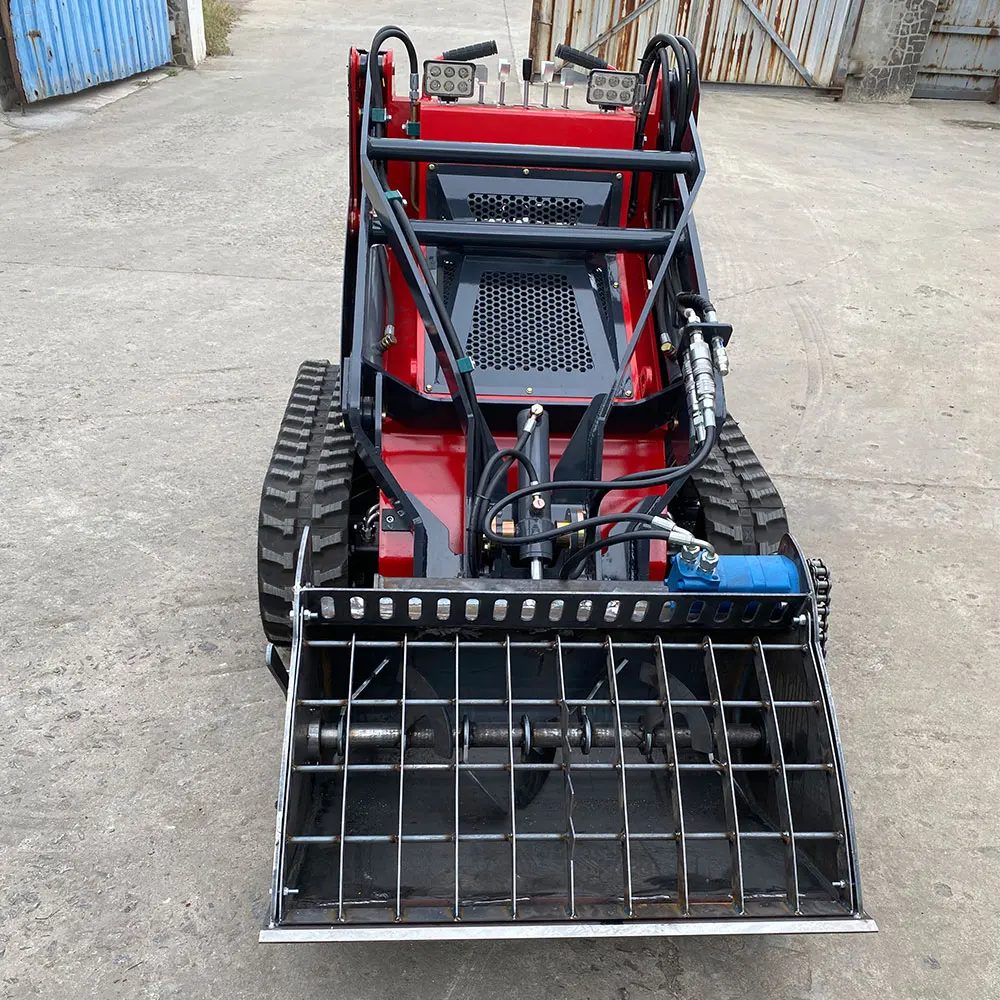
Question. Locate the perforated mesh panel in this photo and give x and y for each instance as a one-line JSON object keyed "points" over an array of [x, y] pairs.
{"points": [[540, 209], [528, 321]]}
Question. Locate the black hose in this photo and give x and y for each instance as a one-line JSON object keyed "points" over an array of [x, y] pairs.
{"points": [[375, 75], [447, 328], [568, 529], [635, 480], [696, 301], [485, 488], [573, 566], [382, 256], [382, 36]]}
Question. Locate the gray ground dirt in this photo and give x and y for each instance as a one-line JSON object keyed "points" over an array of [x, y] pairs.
{"points": [[166, 262]]}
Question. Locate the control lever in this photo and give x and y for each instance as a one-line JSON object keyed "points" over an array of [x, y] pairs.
{"points": [[504, 74], [548, 71], [526, 71], [482, 78]]}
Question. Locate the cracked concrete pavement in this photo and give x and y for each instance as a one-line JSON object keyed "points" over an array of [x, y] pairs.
{"points": [[167, 261]]}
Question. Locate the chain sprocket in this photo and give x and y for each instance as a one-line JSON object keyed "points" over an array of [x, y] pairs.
{"points": [[822, 585]]}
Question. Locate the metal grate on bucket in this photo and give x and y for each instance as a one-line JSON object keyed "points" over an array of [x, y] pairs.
{"points": [[538, 209], [683, 778], [528, 321]]}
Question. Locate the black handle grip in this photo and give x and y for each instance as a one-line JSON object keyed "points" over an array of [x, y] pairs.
{"points": [[469, 52], [584, 59]]}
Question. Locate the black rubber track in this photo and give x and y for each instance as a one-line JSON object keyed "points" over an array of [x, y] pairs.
{"points": [[308, 482], [741, 511]]}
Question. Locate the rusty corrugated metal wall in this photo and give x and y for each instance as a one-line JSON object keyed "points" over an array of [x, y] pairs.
{"points": [[782, 42], [962, 55]]}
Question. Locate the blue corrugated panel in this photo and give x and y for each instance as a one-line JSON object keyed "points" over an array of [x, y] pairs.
{"points": [[63, 46]]}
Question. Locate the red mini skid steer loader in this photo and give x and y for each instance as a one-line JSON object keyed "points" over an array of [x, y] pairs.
{"points": [[554, 666]]}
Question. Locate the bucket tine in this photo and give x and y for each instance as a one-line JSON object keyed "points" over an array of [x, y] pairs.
{"points": [[784, 802], [567, 780], [670, 752], [622, 780], [728, 782]]}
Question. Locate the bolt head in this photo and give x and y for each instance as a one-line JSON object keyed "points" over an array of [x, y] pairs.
{"points": [[628, 393], [432, 166], [536, 410], [689, 554], [526, 171], [428, 387], [529, 390], [709, 562], [538, 502]]}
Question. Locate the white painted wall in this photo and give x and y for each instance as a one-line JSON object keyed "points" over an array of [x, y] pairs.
{"points": [[196, 21]]}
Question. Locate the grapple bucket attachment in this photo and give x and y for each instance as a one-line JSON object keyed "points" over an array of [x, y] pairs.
{"points": [[468, 759]]}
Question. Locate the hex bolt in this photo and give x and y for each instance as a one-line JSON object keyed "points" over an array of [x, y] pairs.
{"points": [[689, 554], [709, 562], [428, 387], [526, 171], [432, 166], [529, 390], [628, 393]]}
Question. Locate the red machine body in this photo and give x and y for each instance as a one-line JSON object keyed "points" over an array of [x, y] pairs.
{"points": [[430, 464]]}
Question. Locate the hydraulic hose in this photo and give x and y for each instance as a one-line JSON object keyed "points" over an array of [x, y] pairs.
{"points": [[439, 304], [574, 565], [486, 485], [693, 300], [635, 480]]}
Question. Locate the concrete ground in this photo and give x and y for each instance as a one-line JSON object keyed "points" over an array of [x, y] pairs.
{"points": [[167, 261]]}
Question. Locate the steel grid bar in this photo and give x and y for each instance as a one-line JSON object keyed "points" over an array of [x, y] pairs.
{"points": [[784, 802], [501, 838], [510, 753], [623, 780], [728, 782], [693, 647], [546, 702], [343, 795], [671, 757], [567, 782], [511, 155], [839, 792], [580, 766], [278, 874], [402, 774]]}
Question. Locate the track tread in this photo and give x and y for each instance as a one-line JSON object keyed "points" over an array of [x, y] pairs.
{"points": [[742, 510], [308, 481]]}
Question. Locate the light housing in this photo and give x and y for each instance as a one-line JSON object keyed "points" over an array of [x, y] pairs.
{"points": [[449, 80], [611, 89]]}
